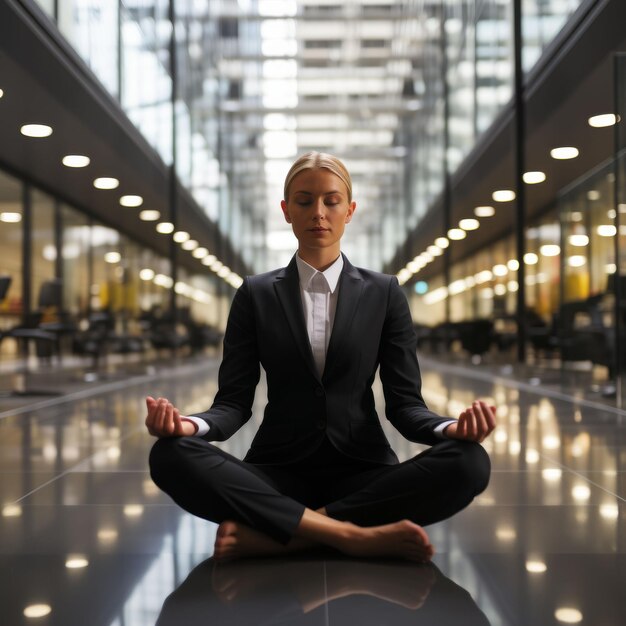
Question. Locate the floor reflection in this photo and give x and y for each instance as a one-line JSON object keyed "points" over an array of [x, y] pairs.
{"points": [[312, 590]]}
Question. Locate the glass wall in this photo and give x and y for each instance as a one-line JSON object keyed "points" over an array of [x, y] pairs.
{"points": [[11, 237], [76, 260], [43, 245]]}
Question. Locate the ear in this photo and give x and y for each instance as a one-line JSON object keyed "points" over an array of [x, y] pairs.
{"points": [[283, 206], [350, 213]]}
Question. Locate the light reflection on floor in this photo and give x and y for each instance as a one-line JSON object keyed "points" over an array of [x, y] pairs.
{"points": [[86, 538]]}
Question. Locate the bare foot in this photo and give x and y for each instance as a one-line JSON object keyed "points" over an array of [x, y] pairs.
{"points": [[401, 539], [235, 541]]}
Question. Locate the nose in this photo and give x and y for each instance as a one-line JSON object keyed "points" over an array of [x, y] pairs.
{"points": [[319, 212]]}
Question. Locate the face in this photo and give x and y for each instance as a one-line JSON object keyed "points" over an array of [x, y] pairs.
{"points": [[318, 209]]}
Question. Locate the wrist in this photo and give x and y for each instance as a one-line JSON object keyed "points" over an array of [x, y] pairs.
{"points": [[190, 428]]}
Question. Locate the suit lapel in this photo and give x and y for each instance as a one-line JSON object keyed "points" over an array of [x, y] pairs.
{"points": [[350, 289], [287, 288]]}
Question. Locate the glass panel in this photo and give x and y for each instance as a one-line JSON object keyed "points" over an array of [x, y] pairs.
{"points": [[44, 252], [147, 82], [76, 237], [619, 281], [106, 275], [91, 26], [47, 6], [11, 257]]}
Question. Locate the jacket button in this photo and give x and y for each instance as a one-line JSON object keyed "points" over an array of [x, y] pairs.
{"points": [[319, 392], [321, 424]]}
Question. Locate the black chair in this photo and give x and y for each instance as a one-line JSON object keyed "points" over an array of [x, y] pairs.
{"points": [[32, 330]]}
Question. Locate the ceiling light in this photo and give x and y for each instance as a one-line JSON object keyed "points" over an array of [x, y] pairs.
{"points": [[146, 274], [593, 195], [550, 249], [76, 160], [533, 178], [564, 153], [223, 271], [499, 290], [10, 217], [606, 230], [112, 257], [484, 211], [106, 182], [36, 130], [190, 244], [37, 610], [512, 286], [513, 264], [76, 562], [601, 121], [165, 228], [131, 201], [469, 224], [456, 234], [209, 259], [149, 215], [217, 265], [181, 236], [434, 250], [200, 253], [1, 93], [536, 567], [500, 270], [579, 240], [530, 258], [577, 260], [503, 195], [442, 242]]}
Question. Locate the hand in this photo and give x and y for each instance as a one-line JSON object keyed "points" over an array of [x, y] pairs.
{"points": [[163, 419], [474, 424]]}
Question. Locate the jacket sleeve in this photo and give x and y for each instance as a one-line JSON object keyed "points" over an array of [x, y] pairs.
{"points": [[400, 373], [239, 372]]}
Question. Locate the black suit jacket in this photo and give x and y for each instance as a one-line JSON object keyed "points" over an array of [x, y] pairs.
{"points": [[372, 328]]}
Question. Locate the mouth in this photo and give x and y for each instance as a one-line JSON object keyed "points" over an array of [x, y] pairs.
{"points": [[318, 230]]}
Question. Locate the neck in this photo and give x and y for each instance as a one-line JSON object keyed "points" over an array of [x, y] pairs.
{"points": [[319, 259]]}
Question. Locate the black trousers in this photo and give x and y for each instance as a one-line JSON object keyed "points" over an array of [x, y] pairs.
{"points": [[212, 484]]}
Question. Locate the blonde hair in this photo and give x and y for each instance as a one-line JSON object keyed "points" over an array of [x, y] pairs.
{"points": [[317, 160]]}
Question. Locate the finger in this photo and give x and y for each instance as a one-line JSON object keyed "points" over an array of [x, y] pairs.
{"points": [[490, 416], [159, 416], [471, 427], [482, 428], [461, 429]]}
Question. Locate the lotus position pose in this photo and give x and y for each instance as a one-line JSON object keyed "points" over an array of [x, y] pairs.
{"points": [[320, 469]]}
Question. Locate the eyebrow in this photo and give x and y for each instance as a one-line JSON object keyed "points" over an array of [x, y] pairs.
{"points": [[326, 193]]}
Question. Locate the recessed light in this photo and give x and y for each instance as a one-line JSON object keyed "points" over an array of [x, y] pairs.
{"points": [[36, 130], [550, 249], [208, 260], [76, 160], [500, 270], [181, 236], [146, 274], [434, 250], [577, 260], [469, 224], [564, 153], [503, 195], [149, 215], [534, 178], [606, 230], [593, 195], [442, 242], [10, 217], [190, 244], [530, 258], [112, 257], [106, 182], [76, 562], [1, 93], [37, 610], [484, 211], [131, 201], [579, 240], [604, 120], [513, 264], [165, 228], [536, 567], [200, 253], [456, 234]]}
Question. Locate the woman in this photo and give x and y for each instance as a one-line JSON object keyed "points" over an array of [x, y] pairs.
{"points": [[320, 469]]}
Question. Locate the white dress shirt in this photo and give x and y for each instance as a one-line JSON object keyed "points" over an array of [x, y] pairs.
{"points": [[319, 292]]}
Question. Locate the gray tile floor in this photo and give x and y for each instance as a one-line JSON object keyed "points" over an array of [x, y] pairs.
{"points": [[86, 538]]}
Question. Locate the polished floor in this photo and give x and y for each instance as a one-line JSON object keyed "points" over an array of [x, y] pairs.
{"points": [[86, 538]]}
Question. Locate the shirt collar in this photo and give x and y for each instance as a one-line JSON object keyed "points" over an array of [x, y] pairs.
{"points": [[331, 274]]}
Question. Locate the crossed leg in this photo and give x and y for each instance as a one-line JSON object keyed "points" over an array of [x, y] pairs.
{"points": [[257, 518]]}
